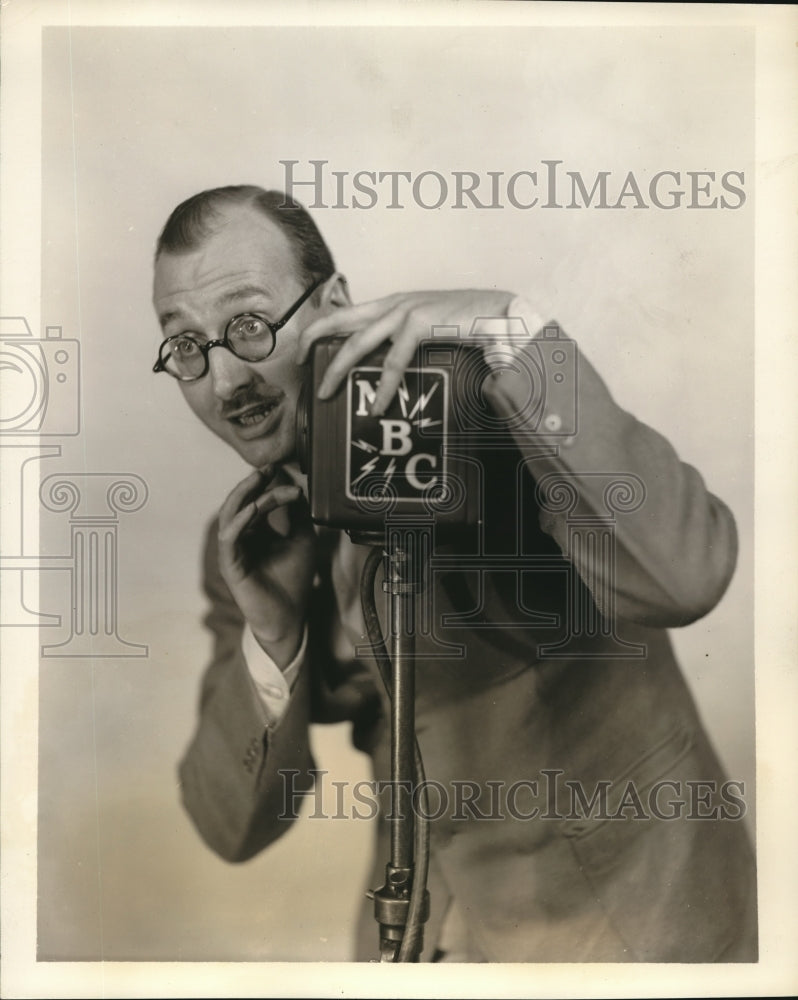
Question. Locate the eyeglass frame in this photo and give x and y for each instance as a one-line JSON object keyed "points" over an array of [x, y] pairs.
{"points": [[224, 341]]}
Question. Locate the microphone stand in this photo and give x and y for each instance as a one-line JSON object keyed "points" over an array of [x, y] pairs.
{"points": [[401, 905]]}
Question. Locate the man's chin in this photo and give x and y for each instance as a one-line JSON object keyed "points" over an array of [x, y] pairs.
{"points": [[261, 458], [265, 452]]}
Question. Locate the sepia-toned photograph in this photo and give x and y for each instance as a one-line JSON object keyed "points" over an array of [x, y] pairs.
{"points": [[379, 477]]}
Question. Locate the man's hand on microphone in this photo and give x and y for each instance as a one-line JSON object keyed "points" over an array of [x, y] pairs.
{"points": [[405, 319], [266, 557]]}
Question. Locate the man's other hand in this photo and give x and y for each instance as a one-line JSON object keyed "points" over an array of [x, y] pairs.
{"points": [[266, 557], [405, 319]]}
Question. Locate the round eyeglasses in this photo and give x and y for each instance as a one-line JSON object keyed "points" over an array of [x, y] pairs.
{"points": [[250, 336]]}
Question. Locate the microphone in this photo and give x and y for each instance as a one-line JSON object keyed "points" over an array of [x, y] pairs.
{"points": [[414, 459], [426, 455]]}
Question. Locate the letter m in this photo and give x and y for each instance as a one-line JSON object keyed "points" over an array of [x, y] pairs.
{"points": [[587, 805], [365, 397], [599, 184]]}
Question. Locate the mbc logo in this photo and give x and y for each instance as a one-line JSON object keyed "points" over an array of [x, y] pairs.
{"points": [[404, 451]]}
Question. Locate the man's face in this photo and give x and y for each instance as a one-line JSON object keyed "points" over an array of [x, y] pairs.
{"points": [[246, 265]]}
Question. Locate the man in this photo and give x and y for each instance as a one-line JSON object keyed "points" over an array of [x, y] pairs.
{"points": [[568, 686]]}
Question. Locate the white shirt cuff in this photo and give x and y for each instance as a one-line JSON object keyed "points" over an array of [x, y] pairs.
{"points": [[520, 308], [508, 335], [272, 684]]}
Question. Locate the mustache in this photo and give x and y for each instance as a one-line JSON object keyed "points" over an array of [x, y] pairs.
{"points": [[248, 396]]}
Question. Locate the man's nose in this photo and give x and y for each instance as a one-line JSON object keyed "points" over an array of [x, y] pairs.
{"points": [[227, 372]]}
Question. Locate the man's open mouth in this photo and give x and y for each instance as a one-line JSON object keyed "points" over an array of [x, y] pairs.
{"points": [[255, 415]]}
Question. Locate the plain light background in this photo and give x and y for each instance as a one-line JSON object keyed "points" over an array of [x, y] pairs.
{"points": [[135, 120]]}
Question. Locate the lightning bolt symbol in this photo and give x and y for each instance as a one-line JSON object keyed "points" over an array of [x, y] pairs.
{"points": [[390, 470], [363, 445], [404, 397], [426, 422], [422, 401], [366, 469]]}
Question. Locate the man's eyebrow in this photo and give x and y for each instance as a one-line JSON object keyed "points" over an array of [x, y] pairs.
{"points": [[241, 292], [169, 315], [231, 295]]}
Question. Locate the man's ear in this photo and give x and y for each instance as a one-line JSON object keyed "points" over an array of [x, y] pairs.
{"points": [[335, 292]]}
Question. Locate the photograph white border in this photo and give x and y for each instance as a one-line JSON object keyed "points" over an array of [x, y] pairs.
{"points": [[776, 495]]}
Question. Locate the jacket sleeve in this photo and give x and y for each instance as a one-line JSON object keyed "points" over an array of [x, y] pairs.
{"points": [[675, 544], [241, 781]]}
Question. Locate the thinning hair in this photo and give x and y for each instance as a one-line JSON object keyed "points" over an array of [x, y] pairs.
{"points": [[195, 219]]}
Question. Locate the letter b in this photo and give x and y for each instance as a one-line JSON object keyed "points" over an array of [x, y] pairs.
{"points": [[395, 437]]}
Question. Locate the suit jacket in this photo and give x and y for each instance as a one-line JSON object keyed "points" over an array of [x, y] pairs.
{"points": [[598, 824]]}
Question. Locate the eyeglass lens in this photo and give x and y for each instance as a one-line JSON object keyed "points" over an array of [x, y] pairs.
{"points": [[248, 336]]}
